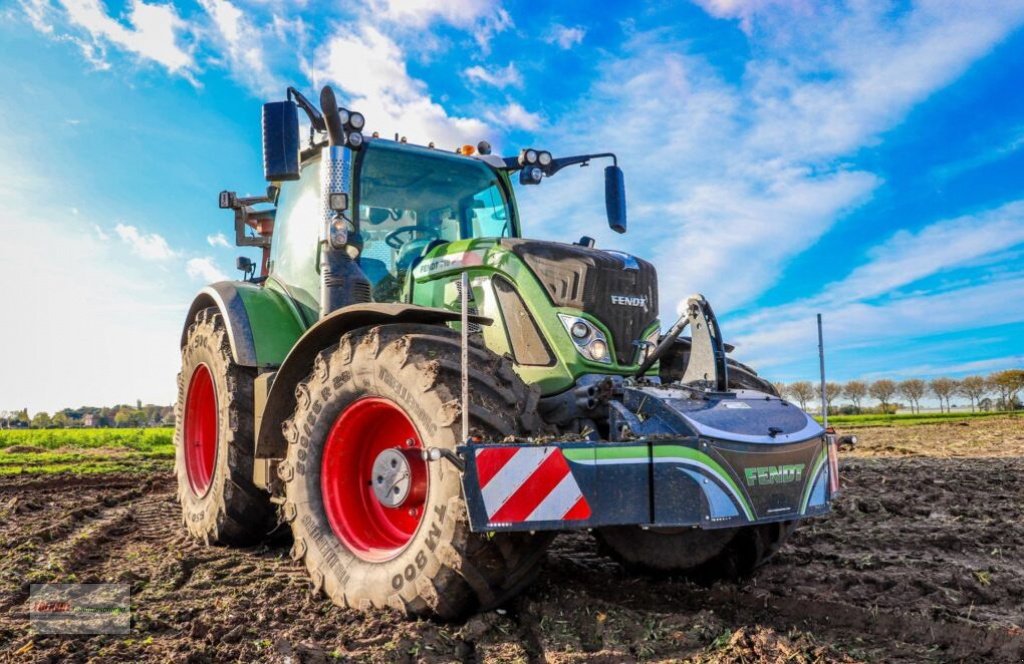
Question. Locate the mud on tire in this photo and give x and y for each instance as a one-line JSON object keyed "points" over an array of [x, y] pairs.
{"points": [[443, 570], [231, 510]]}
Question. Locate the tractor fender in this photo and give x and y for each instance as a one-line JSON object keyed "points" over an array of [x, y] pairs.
{"points": [[280, 403], [262, 324]]}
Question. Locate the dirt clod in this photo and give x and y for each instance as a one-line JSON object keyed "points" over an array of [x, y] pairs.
{"points": [[922, 559]]}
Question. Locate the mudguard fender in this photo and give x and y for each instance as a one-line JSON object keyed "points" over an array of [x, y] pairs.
{"points": [[262, 324], [270, 442]]}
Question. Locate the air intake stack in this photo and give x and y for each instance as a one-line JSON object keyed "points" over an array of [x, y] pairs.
{"points": [[342, 281]]}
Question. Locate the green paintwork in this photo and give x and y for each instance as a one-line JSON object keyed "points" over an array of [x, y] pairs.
{"points": [[433, 283], [274, 321], [292, 291], [603, 452]]}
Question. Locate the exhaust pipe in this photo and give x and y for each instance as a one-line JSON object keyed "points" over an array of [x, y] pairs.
{"points": [[342, 281]]}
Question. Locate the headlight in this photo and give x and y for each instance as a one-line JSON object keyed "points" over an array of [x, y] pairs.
{"points": [[355, 139], [590, 342], [531, 156], [339, 234], [356, 120], [343, 116], [544, 158]]}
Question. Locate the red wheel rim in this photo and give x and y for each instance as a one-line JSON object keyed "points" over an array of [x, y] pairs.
{"points": [[200, 430], [365, 429]]}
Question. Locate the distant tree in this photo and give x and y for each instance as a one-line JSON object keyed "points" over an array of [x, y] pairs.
{"points": [[802, 391], [42, 420], [943, 388], [913, 389], [1008, 383], [832, 392], [60, 420], [883, 391], [123, 417], [780, 387], [974, 388], [855, 391], [137, 418], [21, 419]]}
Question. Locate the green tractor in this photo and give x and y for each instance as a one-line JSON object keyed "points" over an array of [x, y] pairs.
{"points": [[425, 398]]}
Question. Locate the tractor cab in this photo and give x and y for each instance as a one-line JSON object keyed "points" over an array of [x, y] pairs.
{"points": [[411, 200]]}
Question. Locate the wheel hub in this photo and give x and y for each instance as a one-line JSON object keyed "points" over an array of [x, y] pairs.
{"points": [[374, 479], [392, 477]]}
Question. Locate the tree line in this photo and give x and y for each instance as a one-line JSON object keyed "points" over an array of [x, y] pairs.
{"points": [[998, 391], [123, 415]]}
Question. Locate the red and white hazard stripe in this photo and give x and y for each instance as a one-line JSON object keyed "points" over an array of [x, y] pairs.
{"points": [[521, 484]]}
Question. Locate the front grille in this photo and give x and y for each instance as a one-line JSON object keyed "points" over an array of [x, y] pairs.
{"points": [[587, 279]]}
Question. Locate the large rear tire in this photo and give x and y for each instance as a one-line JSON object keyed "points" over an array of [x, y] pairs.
{"points": [[213, 440], [372, 402]]}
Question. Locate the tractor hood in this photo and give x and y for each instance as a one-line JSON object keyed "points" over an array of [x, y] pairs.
{"points": [[619, 290]]}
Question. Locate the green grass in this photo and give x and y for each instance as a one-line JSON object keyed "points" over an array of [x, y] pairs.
{"points": [[879, 420], [85, 451]]}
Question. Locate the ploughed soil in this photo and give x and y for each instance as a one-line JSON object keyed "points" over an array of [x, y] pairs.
{"points": [[921, 560]]}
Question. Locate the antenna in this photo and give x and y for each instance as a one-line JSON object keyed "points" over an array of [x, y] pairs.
{"points": [[821, 362]]}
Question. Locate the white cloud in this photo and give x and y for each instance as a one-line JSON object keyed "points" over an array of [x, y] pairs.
{"points": [[514, 116], [39, 14], [866, 310], [382, 89], [151, 246], [499, 77], [565, 36], [203, 269], [908, 255], [242, 44], [484, 18], [218, 240], [730, 178], [154, 34], [746, 10], [105, 323]]}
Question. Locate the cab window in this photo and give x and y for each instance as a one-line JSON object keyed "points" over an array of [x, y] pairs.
{"points": [[412, 199]]}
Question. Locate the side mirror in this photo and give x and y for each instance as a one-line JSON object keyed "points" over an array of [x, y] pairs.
{"points": [[280, 141], [615, 198]]}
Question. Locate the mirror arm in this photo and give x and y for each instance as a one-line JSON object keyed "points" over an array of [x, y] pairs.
{"points": [[512, 163], [583, 160], [315, 118]]}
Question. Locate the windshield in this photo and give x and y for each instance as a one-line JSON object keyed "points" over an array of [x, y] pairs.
{"points": [[412, 198]]}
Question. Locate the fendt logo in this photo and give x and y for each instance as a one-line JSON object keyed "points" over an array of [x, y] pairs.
{"points": [[771, 475], [630, 300]]}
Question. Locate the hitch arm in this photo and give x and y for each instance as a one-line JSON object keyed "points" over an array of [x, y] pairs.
{"points": [[707, 363]]}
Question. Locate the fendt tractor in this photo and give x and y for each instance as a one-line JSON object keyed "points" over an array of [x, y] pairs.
{"points": [[425, 398]]}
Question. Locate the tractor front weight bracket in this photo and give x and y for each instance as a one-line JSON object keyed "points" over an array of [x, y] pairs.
{"points": [[662, 482]]}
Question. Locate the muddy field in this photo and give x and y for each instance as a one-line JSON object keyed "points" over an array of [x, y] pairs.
{"points": [[922, 560]]}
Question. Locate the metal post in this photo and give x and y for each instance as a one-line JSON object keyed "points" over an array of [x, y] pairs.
{"points": [[821, 362], [465, 355]]}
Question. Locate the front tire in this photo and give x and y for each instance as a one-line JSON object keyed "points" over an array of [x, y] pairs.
{"points": [[371, 403], [213, 440], [705, 555]]}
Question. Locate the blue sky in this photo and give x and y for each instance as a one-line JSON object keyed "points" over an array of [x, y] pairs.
{"points": [[861, 159]]}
